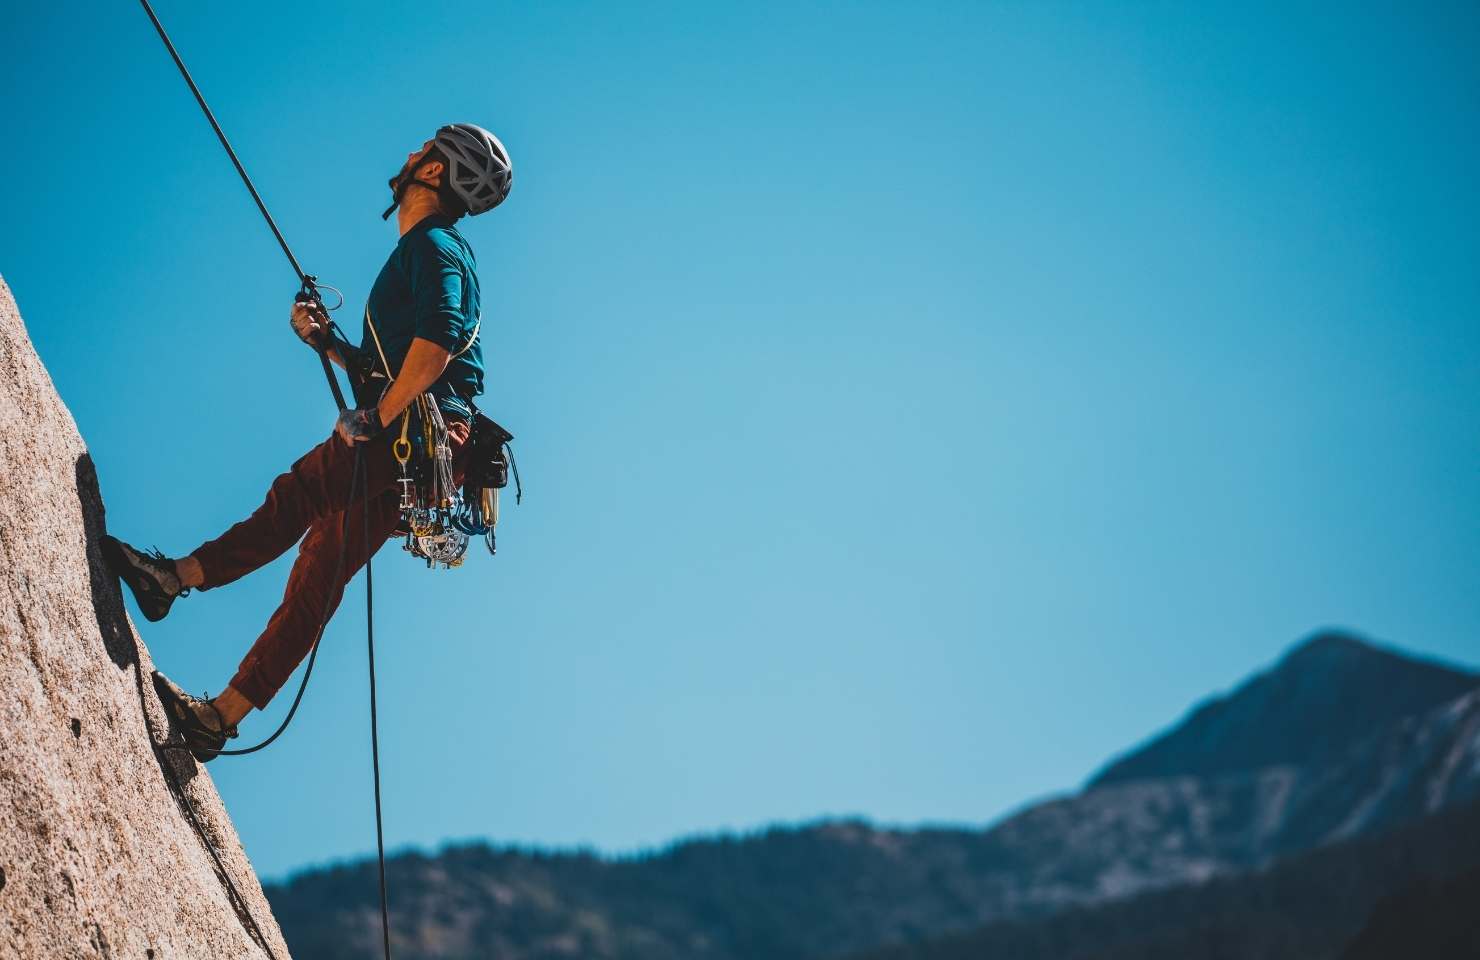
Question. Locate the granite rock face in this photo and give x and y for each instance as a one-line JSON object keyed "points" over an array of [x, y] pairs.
{"points": [[113, 843]]}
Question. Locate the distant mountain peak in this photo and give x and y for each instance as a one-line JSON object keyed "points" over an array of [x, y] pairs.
{"points": [[1326, 693], [1332, 640], [1332, 644]]}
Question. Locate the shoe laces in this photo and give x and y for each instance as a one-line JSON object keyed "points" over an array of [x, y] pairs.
{"points": [[229, 732], [161, 562], [221, 726]]}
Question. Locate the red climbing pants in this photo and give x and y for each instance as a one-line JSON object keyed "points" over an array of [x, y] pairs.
{"points": [[311, 501]]}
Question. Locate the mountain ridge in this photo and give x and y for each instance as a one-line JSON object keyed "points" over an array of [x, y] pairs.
{"points": [[799, 893], [1358, 898]]}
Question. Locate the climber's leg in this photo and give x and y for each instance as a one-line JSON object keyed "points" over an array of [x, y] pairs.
{"points": [[315, 487], [313, 593]]}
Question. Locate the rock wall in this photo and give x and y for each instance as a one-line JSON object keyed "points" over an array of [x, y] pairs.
{"points": [[112, 842]]}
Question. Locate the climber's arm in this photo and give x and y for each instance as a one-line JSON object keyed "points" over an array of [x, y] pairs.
{"points": [[436, 274], [424, 363]]}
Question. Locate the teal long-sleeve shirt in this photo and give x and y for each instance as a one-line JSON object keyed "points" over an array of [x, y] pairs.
{"points": [[428, 288]]}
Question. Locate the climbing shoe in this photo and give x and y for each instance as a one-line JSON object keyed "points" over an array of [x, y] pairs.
{"points": [[197, 719], [150, 577]]}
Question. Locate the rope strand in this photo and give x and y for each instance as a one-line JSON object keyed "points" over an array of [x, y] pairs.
{"points": [[221, 135], [385, 917], [307, 282]]}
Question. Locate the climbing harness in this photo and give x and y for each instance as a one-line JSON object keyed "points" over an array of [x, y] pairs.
{"points": [[437, 516], [429, 498]]}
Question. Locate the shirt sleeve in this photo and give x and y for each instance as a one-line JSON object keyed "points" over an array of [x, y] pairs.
{"points": [[436, 275]]}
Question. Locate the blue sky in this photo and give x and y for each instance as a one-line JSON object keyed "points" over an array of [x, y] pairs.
{"points": [[918, 403]]}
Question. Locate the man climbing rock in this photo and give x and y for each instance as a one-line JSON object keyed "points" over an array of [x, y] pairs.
{"points": [[419, 349]]}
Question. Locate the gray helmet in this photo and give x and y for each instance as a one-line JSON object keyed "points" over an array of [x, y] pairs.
{"points": [[479, 171]]}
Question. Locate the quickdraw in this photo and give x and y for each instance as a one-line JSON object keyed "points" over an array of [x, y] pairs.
{"points": [[437, 516]]}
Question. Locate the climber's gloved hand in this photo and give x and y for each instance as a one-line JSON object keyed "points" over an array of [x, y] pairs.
{"points": [[310, 321], [357, 426]]}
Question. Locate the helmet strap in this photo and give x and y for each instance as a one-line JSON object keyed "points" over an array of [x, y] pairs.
{"points": [[406, 183]]}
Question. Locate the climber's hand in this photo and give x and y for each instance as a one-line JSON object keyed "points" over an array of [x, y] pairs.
{"points": [[357, 426], [309, 321]]}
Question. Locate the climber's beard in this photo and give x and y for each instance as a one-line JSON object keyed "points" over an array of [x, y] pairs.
{"points": [[402, 174], [400, 182]]}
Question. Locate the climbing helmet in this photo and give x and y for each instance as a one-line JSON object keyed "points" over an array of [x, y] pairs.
{"points": [[479, 171]]}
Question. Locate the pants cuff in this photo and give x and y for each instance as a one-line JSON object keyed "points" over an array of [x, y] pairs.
{"points": [[203, 557], [249, 683]]}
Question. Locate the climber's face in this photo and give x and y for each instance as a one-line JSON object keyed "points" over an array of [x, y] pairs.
{"points": [[428, 174]]}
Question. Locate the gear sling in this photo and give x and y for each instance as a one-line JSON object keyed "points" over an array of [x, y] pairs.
{"points": [[437, 517]]}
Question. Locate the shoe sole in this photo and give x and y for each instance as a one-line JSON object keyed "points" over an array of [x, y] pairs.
{"points": [[117, 562]]}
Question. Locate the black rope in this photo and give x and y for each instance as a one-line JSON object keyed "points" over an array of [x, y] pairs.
{"points": [[220, 135], [308, 283], [200, 830], [385, 918]]}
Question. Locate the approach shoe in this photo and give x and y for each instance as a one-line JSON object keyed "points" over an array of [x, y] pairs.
{"points": [[197, 719], [150, 577]]}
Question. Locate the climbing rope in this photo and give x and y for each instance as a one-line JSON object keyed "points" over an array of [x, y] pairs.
{"points": [[309, 290], [385, 919], [308, 283], [200, 830]]}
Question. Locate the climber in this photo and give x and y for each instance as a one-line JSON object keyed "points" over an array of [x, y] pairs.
{"points": [[420, 339]]}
